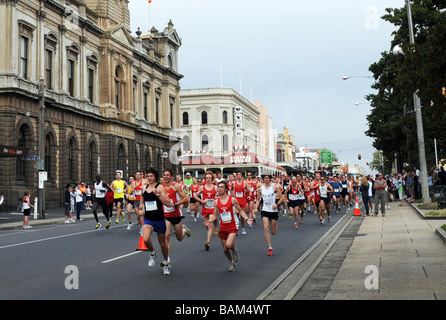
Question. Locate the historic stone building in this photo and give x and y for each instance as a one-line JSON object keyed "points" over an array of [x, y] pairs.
{"points": [[110, 99]]}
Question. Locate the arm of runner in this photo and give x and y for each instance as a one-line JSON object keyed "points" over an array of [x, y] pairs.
{"points": [[242, 213], [162, 195], [184, 197]]}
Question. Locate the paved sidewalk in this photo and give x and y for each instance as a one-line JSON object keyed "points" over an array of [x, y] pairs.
{"points": [[410, 259]]}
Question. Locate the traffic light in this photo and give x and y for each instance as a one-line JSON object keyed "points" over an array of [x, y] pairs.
{"points": [[359, 157], [367, 163]]}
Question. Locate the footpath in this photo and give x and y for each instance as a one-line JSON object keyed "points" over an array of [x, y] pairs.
{"points": [[401, 256]]}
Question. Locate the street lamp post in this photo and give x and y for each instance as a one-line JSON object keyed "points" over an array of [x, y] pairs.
{"points": [[41, 162], [418, 116]]}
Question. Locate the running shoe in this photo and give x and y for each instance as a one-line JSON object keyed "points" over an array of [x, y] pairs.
{"points": [[117, 220], [166, 268], [107, 225], [129, 227], [98, 225], [231, 267], [122, 217], [295, 225], [270, 251], [187, 230], [152, 256], [207, 245], [243, 231]]}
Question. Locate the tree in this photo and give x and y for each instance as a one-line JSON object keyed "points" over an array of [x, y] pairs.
{"points": [[392, 121]]}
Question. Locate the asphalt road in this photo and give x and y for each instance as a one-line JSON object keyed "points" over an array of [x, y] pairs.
{"points": [[42, 262]]}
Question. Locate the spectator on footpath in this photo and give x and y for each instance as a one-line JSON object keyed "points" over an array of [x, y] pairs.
{"points": [[442, 176], [67, 204], [79, 202], [380, 194], [364, 189], [26, 209], [409, 183]]}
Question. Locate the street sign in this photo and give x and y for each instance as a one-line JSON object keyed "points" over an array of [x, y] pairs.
{"points": [[326, 157]]}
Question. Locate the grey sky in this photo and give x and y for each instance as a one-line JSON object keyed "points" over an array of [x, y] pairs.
{"points": [[290, 54]]}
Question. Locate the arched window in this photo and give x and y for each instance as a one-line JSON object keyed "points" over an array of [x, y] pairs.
{"points": [[185, 119], [204, 117], [186, 143], [118, 85], [204, 142], [121, 160], [92, 162], [225, 117], [225, 142], [71, 159]]}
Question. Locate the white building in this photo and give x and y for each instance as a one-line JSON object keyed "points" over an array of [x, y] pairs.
{"points": [[222, 125]]}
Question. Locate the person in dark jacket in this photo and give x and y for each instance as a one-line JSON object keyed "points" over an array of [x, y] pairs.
{"points": [[67, 204]]}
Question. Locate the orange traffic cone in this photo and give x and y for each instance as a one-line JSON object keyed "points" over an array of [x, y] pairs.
{"points": [[142, 245], [357, 212]]}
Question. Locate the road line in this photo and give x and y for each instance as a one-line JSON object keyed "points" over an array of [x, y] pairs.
{"points": [[121, 257], [50, 238]]}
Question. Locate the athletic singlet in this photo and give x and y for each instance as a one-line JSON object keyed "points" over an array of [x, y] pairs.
{"points": [[269, 198], [100, 191], [336, 188], [171, 211], [228, 220], [194, 189], [119, 189], [295, 194], [152, 206], [323, 190], [209, 197], [317, 194], [25, 203], [239, 192], [138, 191], [252, 187]]}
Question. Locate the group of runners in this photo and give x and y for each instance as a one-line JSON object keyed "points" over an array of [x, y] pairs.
{"points": [[226, 204]]}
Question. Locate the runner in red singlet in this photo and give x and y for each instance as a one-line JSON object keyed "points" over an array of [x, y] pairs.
{"points": [[228, 223], [173, 214], [208, 193], [242, 193]]}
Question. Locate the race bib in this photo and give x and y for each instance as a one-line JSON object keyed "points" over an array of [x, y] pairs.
{"points": [[239, 194], [151, 206], [118, 190], [209, 204], [169, 209], [226, 217], [137, 192], [268, 206], [294, 197]]}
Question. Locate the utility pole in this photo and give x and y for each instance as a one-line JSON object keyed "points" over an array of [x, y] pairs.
{"points": [[41, 162], [419, 121]]}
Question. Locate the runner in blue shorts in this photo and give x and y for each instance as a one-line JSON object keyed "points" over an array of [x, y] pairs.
{"points": [[154, 197]]}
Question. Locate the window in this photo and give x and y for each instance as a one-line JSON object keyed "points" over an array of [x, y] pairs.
{"points": [[157, 102], [225, 142], [48, 152], [90, 85], [225, 117], [118, 81], [49, 69], [185, 119], [146, 106], [204, 142], [135, 93], [186, 143], [71, 77], [204, 117], [24, 41], [71, 159], [171, 115]]}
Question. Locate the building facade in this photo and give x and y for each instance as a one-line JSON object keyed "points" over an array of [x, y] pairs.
{"points": [[216, 119], [110, 100]]}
